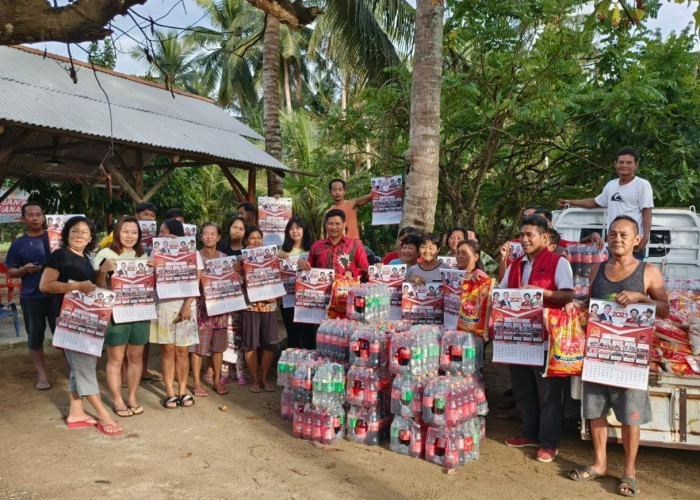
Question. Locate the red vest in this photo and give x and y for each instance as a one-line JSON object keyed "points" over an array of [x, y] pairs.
{"points": [[542, 276]]}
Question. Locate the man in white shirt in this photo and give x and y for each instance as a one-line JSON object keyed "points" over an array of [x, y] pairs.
{"points": [[627, 195]]}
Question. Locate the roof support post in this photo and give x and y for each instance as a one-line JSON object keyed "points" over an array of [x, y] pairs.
{"points": [[122, 181], [251, 185], [138, 174], [237, 187]]}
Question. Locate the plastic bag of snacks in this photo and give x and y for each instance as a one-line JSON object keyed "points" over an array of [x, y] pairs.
{"points": [[475, 302], [567, 341], [339, 296]]}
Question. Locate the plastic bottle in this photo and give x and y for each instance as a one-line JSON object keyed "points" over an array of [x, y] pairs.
{"points": [[287, 404]]}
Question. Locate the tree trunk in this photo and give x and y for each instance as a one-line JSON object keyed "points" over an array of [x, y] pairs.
{"points": [[422, 175], [271, 97], [287, 91]]}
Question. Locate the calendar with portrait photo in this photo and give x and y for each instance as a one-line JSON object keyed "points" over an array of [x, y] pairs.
{"points": [[54, 226], [273, 215], [387, 200], [82, 323], [422, 304], [517, 328], [312, 295], [261, 269], [288, 272], [133, 283], [175, 260], [221, 286], [393, 277]]}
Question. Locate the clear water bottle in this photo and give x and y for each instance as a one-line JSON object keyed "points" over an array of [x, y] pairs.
{"points": [[287, 404]]}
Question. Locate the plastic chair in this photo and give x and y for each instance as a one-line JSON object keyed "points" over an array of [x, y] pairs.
{"points": [[9, 308]]}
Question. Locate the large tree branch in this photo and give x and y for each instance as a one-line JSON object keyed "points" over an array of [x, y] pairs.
{"points": [[30, 21], [293, 14]]}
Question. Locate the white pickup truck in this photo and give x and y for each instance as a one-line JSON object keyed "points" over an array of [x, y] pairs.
{"points": [[674, 247]]}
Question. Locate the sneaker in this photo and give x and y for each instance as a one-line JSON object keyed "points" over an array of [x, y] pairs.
{"points": [[546, 455], [522, 442]]}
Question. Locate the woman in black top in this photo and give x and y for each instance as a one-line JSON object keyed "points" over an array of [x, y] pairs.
{"points": [[68, 269]]}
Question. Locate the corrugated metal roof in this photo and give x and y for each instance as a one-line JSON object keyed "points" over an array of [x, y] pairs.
{"points": [[38, 91]]}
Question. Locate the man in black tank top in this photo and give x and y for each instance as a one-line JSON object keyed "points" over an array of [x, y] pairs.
{"points": [[625, 280]]}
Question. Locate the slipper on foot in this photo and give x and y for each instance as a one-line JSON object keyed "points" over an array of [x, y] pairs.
{"points": [[629, 484], [254, 388], [580, 474], [186, 401], [221, 390], [104, 429], [136, 410], [88, 422], [124, 413], [200, 392], [171, 403], [42, 385]]}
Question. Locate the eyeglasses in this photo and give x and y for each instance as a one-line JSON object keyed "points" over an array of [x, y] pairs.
{"points": [[81, 232]]}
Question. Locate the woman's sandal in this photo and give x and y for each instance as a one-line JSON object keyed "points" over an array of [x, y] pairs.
{"points": [[171, 403], [186, 401], [136, 410], [126, 412], [199, 392]]}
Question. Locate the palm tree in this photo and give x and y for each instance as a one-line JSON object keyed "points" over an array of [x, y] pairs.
{"points": [[172, 62], [271, 100], [424, 151]]}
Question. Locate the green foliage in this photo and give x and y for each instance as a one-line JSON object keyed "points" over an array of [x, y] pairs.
{"points": [[102, 54]]}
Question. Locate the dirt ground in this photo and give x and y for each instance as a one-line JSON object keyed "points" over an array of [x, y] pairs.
{"points": [[203, 452]]}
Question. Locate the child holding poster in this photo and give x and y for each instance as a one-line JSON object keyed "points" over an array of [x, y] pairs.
{"points": [[213, 334], [68, 269], [297, 241], [125, 339], [259, 326]]}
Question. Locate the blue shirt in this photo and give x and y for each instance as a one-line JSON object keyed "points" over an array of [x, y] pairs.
{"points": [[26, 249]]}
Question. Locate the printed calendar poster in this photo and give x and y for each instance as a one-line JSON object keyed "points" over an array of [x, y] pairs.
{"points": [[452, 295], [261, 267], [422, 304], [273, 215], [517, 330], [176, 268], [392, 276], [190, 230], [82, 323], [288, 268], [221, 285], [618, 339], [149, 229], [133, 283], [516, 251], [312, 295], [448, 260], [387, 200], [54, 226]]}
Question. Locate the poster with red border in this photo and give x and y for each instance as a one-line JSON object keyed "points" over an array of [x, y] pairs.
{"points": [[176, 268], [288, 272], [149, 230], [422, 304], [261, 268], [82, 323], [221, 286], [452, 295], [273, 215], [448, 260], [11, 207], [517, 328], [387, 200], [516, 251], [312, 295], [133, 283], [54, 226], [618, 340], [392, 276]]}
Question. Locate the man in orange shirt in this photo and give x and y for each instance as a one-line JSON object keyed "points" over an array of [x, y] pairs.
{"points": [[337, 189]]}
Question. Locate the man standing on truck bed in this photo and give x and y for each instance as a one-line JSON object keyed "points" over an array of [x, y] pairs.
{"points": [[629, 281], [627, 195]]}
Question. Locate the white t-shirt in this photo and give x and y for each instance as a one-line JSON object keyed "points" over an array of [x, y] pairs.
{"points": [[563, 276], [628, 200]]}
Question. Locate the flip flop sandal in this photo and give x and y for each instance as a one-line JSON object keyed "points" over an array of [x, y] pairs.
{"points": [[580, 474], [81, 423], [126, 412], [171, 403], [103, 430], [627, 483], [200, 392], [42, 385], [187, 398], [136, 410], [221, 390]]}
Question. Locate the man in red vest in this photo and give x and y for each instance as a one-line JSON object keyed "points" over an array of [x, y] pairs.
{"points": [[541, 400]]}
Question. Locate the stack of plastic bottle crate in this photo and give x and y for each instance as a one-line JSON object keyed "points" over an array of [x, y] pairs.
{"points": [[322, 418], [295, 370], [368, 388]]}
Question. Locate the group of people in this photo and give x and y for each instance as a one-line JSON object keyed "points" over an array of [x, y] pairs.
{"points": [[186, 334]]}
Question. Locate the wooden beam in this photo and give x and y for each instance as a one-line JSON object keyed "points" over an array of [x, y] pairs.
{"points": [[251, 185], [159, 183], [237, 187], [122, 181], [127, 171], [12, 188], [138, 173], [50, 149]]}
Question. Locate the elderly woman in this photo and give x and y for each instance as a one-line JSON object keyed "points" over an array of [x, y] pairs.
{"points": [[68, 269]]}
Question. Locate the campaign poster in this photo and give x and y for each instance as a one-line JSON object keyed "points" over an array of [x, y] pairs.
{"points": [[387, 200], [190, 230], [422, 304], [288, 271], [518, 330], [392, 276], [312, 295], [133, 283], [618, 340], [149, 230], [54, 226], [261, 268], [11, 207], [452, 295], [448, 260], [176, 268], [221, 285], [516, 251], [82, 323], [273, 215]]}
